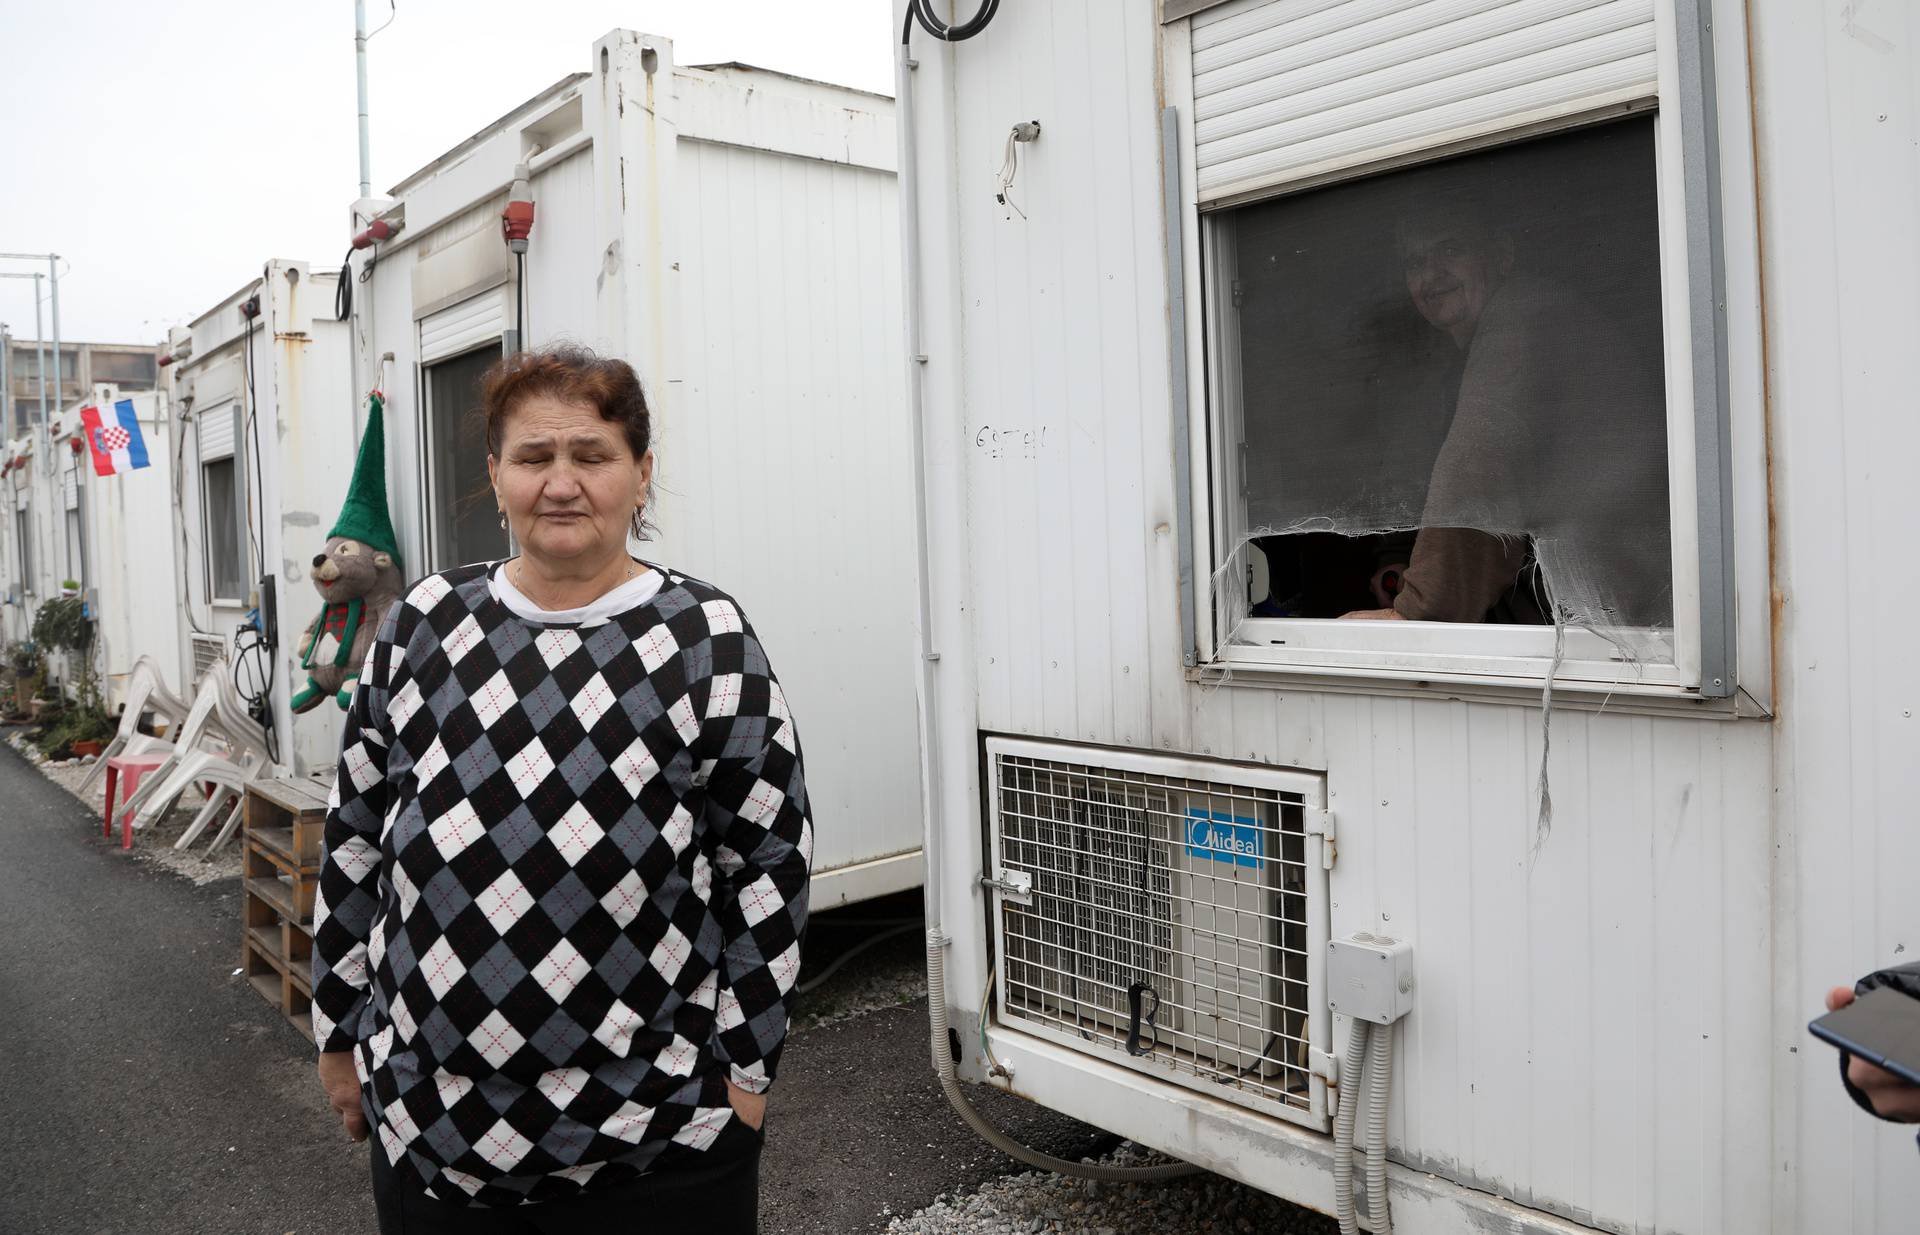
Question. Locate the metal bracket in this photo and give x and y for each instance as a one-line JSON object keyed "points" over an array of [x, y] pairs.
{"points": [[1016, 886], [1320, 823]]}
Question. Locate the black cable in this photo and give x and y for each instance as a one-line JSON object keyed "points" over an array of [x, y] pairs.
{"points": [[520, 303], [253, 430], [259, 704], [262, 677], [343, 290], [917, 11]]}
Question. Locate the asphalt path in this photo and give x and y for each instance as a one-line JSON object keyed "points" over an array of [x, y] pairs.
{"points": [[145, 1089]]}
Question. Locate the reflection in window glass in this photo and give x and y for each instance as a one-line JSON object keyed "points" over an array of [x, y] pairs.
{"points": [[221, 499], [1451, 393], [23, 540], [464, 524]]}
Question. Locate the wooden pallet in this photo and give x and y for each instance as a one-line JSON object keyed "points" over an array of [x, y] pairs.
{"points": [[280, 850]]}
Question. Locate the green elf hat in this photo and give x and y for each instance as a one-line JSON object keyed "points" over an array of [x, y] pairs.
{"points": [[364, 516]]}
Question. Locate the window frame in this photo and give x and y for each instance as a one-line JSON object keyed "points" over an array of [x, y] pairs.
{"points": [[234, 455], [434, 506], [23, 539], [1692, 276]]}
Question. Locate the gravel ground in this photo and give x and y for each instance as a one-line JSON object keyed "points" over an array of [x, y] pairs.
{"points": [[1039, 1202], [861, 1140], [153, 844]]}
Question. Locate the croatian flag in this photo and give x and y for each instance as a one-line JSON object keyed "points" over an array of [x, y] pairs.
{"points": [[117, 445]]}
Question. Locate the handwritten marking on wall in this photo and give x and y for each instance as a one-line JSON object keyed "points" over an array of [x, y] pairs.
{"points": [[1011, 441]]}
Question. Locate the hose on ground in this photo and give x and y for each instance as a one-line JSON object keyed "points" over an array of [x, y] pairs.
{"points": [[1379, 1084], [943, 1067], [815, 983], [1351, 1065]]}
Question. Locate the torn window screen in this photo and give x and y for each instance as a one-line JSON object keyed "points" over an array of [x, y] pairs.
{"points": [[1451, 395]]}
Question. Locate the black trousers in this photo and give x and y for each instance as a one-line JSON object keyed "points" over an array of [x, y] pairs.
{"points": [[718, 1196]]}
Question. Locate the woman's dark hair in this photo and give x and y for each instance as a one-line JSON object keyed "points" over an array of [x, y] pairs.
{"points": [[572, 374]]}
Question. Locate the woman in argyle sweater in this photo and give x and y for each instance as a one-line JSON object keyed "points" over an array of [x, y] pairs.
{"points": [[566, 864]]}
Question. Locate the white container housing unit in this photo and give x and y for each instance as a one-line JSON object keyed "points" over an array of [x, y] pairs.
{"points": [[1292, 309], [107, 535], [117, 529], [732, 232], [266, 440]]}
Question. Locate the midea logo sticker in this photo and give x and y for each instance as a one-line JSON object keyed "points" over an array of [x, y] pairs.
{"points": [[1224, 838]]}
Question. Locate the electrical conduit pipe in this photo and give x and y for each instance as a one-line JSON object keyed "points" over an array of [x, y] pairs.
{"points": [[1379, 1083], [1351, 1065], [943, 1062]]}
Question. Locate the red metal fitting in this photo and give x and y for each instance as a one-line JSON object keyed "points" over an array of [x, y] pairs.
{"points": [[378, 231], [516, 221]]}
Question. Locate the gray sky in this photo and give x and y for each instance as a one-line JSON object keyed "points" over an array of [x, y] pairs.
{"points": [[166, 151]]}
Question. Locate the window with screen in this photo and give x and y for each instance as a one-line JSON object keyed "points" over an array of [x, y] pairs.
{"points": [[463, 523], [1444, 391], [222, 512]]}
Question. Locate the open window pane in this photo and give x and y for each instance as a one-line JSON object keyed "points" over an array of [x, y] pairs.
{"points": [[464, 525], [221, 499], [1446, 393]]}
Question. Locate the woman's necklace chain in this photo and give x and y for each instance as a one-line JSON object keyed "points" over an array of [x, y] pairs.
{"points": [[520, 581]]}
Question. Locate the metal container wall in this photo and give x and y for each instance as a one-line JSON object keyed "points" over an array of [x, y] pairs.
{"points": [[732, 233], [1609, 1025]]}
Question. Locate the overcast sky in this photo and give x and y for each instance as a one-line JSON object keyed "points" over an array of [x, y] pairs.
{"points": [[166, 151]]}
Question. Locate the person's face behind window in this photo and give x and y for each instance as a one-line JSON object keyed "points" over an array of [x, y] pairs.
{"points": [[568, 480], [1452, 270]]}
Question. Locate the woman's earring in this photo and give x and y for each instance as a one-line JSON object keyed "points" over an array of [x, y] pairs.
{"points": [[503, 520]]}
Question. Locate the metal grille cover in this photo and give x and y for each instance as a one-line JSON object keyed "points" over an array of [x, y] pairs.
{"points": [[1205, 893]]}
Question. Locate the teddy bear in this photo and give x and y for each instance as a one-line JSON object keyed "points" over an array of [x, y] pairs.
{"points": [[358, 577], [359, 583]]}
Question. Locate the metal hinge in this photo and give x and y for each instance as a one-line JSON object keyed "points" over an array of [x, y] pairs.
{"points": [[1320, 823], [1325, 1065], [1016, 886]]}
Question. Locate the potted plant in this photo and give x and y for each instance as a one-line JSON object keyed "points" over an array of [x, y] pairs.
{"points": [[63, 625], [69, 587]]}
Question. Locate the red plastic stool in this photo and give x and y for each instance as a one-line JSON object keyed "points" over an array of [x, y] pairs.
{"points": [[133, 767]]}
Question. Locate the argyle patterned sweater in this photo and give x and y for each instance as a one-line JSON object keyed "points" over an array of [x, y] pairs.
{"points": [[563, 890]]}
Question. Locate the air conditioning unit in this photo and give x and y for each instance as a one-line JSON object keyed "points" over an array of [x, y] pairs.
{"points": [[1167, 913]]}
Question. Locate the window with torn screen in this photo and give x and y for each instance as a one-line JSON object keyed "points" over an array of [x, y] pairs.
{"points": [[1442, 396]]}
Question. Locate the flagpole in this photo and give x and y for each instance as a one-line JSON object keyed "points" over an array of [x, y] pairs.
{"points": [[46, 428]]}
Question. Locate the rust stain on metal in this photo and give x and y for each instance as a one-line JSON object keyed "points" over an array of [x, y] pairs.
{"points": [[1776, 590]]}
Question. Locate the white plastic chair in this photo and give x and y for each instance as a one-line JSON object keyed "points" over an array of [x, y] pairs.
{"points": [[200, 735], [247, 750], [146, 688]]}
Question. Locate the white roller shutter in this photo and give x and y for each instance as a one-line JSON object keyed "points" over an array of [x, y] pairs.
{"points": [[1291, 90], [463, 327], [219, 429]]}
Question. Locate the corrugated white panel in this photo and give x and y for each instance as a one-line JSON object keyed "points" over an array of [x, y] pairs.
{"points": [[1840, 188], [1285, 89], [217, 429], [563, 256], [1063, 434], [463, 327], [784, 467], [1592, 1034]]}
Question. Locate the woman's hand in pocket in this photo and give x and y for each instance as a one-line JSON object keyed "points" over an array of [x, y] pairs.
{"points": [[750, 1107]]}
